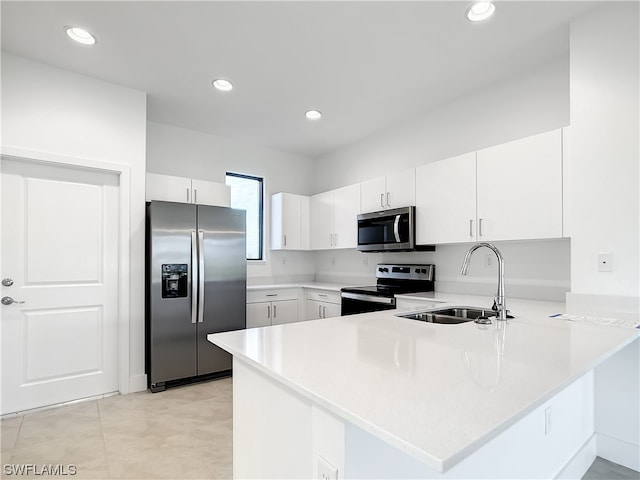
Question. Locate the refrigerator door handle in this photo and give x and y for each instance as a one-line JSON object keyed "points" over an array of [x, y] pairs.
{"points": [[194, 277], [200, 276]]}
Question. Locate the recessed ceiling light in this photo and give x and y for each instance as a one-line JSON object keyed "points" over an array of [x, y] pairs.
{"points": [[479, 11], [313, 114], [80, 35], [223, 85]]}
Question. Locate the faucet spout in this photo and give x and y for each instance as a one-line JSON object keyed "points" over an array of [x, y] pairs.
{"points": [[499, 298]]}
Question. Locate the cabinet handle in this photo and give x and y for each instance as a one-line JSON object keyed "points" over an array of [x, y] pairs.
{"points": [[319, 311], [335, 242], [382, 200], [195, 195], [331, 239], [188, 200], [471, 228], [271, 295], [285, 240], [388, 204], [323, 295], [324, 312], [480, 226], [268, 311], [274, 312]]}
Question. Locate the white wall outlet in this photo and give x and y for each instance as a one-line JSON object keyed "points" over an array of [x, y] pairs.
{"points": [[326, 471], [365, 260], [284, 260], [547, 420], [488, 260], [605, 262]]}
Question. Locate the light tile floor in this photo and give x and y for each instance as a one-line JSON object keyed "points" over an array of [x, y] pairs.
{"points": [[184, 432]]}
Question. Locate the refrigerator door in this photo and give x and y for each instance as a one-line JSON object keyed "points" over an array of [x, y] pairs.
{"points": [[171, 331], [222, 241]]}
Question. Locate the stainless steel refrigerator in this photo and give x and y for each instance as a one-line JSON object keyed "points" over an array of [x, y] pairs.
{"points": [[196, 285]]}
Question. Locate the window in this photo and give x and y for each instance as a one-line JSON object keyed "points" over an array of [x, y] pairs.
{"points": [[246, 194]]}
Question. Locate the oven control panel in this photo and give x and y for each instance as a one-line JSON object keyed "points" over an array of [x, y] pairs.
{"points": [[405, 272]]}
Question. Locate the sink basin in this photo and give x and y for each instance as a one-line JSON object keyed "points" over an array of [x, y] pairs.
{"points": [[450, 315]]}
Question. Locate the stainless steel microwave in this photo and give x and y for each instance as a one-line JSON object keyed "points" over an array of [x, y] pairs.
{"points": [[387, 230]]}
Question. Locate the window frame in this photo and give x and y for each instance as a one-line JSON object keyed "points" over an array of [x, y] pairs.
{"points": [[261, 225]]}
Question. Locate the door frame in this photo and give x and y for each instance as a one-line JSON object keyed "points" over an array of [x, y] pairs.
{"points": [[124, 223]]}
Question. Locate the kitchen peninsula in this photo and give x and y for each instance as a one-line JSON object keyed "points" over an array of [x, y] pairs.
{"points": [[378, 396]]}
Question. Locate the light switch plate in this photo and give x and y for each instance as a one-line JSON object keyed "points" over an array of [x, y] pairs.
{"points": [[605, 262]]}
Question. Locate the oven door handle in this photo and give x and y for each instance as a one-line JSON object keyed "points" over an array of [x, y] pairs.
{"points": [[368, 298], [396, 228]]}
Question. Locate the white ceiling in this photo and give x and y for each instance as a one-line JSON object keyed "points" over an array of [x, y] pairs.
{"points": [[367, 65]]}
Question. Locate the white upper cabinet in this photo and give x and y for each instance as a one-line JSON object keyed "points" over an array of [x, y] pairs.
{"points": [[520, 189], [446, 201], [186, 190], [393, 191], [289, 221], [511, 191], [333, 218]]}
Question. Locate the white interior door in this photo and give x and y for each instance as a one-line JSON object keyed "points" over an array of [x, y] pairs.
{"points": [[60, 266]]}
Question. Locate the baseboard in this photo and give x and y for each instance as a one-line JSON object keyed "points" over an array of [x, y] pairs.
{"points": [[137, 383], [618, 451], [580, 462]]}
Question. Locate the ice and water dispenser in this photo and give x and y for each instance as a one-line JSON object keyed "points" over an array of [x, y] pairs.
{"points": [[174, 280]]}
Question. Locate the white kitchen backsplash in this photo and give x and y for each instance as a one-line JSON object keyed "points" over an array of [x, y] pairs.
{"points": [[538, 270]]}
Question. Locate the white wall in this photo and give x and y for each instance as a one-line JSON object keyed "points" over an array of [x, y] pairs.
{"points": [[605, 206], [533, 102], [53, 111], [187, 153]]}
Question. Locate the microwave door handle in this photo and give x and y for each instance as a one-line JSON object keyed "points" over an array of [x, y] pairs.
{"points": [[396, 228]]}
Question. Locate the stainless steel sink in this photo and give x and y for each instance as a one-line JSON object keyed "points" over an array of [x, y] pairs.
{"points": [[451, 315]]}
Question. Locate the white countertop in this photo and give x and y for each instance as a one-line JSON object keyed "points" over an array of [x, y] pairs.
{"points": [[334, 287], [437, 392]]}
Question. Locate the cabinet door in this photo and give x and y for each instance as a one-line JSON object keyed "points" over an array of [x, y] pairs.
{"points": [[258, 314], [210, 193], [372, 195], [331, 310], [289, 222], [168, 188], [284, 312], [446, 201], [314, 310], [321, 220], [520, 189], [346, 204], [401, 189]]}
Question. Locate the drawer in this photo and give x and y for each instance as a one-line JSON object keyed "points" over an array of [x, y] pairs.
{"points": [[323, 296], [272, 295]]}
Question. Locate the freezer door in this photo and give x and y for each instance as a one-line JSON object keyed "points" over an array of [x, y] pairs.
{"points": [[171, 332], [221, 237]]}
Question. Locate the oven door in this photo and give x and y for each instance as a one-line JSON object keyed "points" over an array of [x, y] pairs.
{"points": [[362, 303], [389, 230]]}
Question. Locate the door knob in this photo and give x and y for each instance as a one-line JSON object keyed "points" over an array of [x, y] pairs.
{"points": [[7, 282], [8, 301]]}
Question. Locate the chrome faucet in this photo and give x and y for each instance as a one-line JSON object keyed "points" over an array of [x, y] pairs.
{"points": [[499, 299]]}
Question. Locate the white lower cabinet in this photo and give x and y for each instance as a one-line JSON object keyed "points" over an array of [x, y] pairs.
{"points": [[272, 307], [322, 304]]}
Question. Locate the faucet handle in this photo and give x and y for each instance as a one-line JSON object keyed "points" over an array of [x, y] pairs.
{"points": [[494, 307]]}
